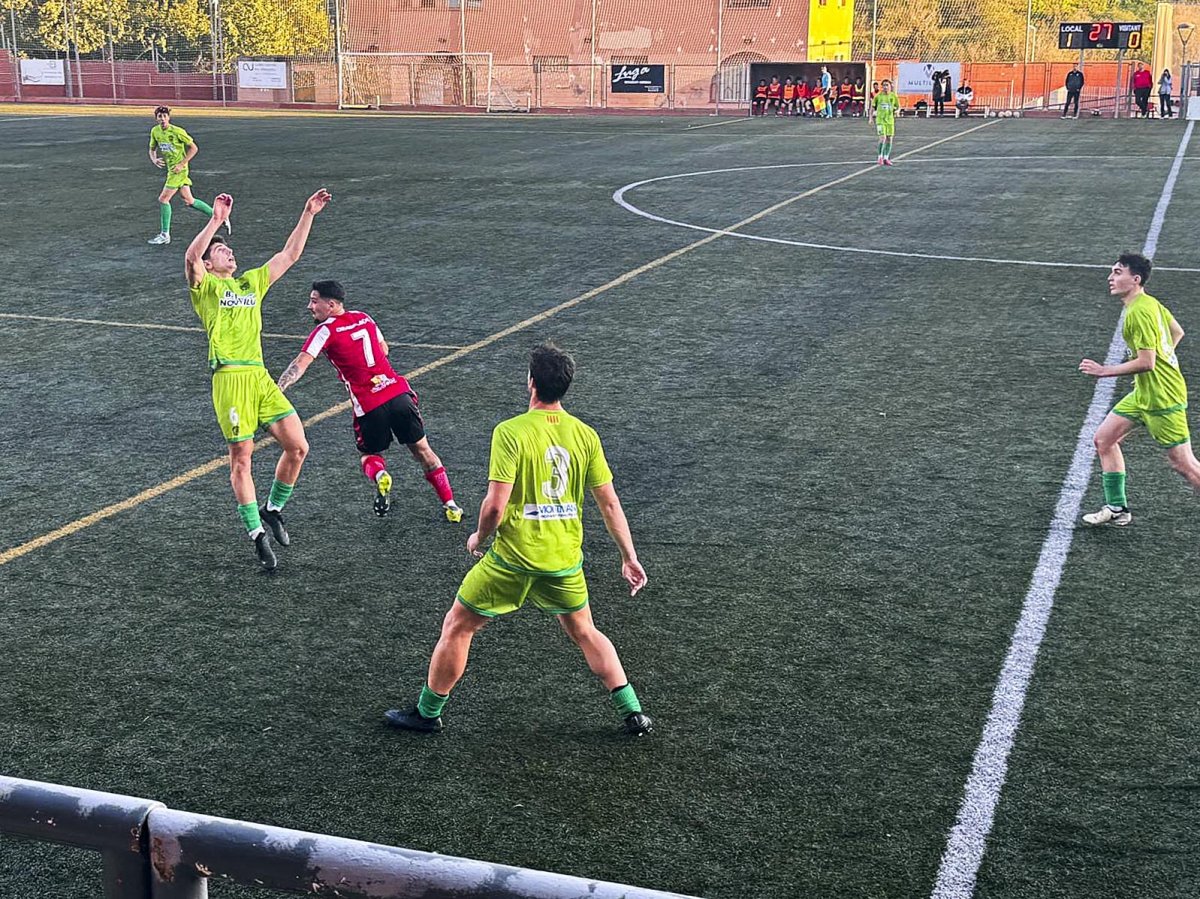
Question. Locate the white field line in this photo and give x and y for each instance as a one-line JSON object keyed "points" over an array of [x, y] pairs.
{"points": [[619, 198], [156, 327], [968, 838], [731, 121]]}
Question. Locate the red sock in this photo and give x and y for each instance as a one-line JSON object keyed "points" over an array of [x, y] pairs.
{"points": [[440, 483], [372, 465]]}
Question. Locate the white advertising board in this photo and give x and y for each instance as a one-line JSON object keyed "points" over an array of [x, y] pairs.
{"points": [[253, 73], [917, 77], [43, 71]]}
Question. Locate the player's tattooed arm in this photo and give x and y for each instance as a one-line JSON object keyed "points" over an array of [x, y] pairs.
{"points": [[295, 371]]}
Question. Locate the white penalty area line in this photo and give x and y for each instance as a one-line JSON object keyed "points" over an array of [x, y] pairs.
{"points": [[968, 839], [157, 327], [199, 471]]}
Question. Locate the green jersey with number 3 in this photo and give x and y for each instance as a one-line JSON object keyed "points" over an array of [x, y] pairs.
{"points": [[550, 458], [1148, 327]]}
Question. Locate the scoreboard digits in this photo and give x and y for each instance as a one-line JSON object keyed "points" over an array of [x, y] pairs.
{"points": [[1100, 36]]}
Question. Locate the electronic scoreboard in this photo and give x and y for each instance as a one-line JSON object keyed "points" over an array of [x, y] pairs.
{"points": [[1099, 35]]}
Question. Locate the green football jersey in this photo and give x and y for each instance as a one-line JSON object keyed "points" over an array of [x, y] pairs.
{"points": [[885, 107], [1148, 327], [231, 311], [550, 458], [170, 142]]}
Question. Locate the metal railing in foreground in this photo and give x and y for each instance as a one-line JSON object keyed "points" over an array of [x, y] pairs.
{"points": [[152, 852]]}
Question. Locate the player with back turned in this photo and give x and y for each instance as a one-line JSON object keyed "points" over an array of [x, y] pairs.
{"points": [[542, 462], [384, 404]]}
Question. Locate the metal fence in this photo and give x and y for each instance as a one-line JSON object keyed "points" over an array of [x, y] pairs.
{"points": [[691, 55], [152, 852]]}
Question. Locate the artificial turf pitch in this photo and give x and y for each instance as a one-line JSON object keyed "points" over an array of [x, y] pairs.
{"points": [[839, 469]]}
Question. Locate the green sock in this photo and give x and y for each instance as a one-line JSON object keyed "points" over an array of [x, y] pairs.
{"points": [[887, 153], [1114, 488], [164, 217], [201, 206], [881, 148], [431, 704], [249, 515], [280, 494], [625, 701]]}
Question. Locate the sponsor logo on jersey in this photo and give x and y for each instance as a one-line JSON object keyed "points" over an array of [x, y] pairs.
{"points": [[380, 382], [551, 511], [229, 299], [352, 325]]}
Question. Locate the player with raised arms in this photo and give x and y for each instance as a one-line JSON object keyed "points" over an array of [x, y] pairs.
{"points": [[384, 404], [244, 396]]}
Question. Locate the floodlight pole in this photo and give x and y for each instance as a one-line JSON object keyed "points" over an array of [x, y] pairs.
{"points": [[592, 62], [1025, 65], [16, 53], [720, 35], [1185, 34], [870, 110], [462, 42], [337, 47]]}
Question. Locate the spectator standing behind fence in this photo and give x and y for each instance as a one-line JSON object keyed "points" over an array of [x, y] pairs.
{"points": [[1074, 86], [941, 91], [1164, 95], [1143, 81]]}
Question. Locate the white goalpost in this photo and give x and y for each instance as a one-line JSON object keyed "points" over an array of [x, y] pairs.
{"points": [[376, 80]]}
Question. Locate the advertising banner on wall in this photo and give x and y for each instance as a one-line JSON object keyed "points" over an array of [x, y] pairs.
{"points": [[259, 75], [917, 77], [43, 71], [638, 79]]}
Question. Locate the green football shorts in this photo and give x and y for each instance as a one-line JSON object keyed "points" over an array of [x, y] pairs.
{"points": [[886, 129], [1168, 427], [492, 588], [246, 399], [176, 180]]}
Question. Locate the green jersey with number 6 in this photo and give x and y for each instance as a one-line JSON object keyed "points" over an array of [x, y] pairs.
{"points": [[1148, 327], [550, 458]]}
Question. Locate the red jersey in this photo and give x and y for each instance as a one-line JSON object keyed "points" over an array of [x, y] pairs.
{"points": [[775, 90], [1143, 79], [352, 344]]}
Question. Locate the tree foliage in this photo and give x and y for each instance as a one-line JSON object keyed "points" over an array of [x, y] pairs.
{"points": [[984, 30], [248, 27]]}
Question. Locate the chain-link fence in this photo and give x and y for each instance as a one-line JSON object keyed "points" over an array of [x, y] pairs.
{"points": [[594, 54]]}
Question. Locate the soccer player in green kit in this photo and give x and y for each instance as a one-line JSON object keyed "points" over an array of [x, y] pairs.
{"points": [[244, 395], [541, 463], [172, 148], [1159, 397], [885, 104]]}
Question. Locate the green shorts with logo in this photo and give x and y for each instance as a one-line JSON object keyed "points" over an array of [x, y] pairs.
{"points": [[493, 588], [1168, 427], [245, 399], [176, 180], [886, 129]]}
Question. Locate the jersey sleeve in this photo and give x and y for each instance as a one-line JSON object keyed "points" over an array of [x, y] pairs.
{"points": [[260, 279], [203, 297], [598, 472], [153, 142], [315, 344], [185, 137], [1141, 329], [505, 452]]}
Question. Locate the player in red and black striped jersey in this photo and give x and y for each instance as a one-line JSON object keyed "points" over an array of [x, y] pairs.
{"points": [[384, 403]]}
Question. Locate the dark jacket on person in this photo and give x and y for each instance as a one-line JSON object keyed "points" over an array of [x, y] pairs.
{"points": [[1074, 80]]}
